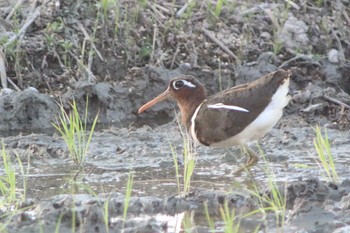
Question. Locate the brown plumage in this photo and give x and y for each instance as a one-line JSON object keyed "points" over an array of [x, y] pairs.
{"points": [[223, 119], [254, 96]]}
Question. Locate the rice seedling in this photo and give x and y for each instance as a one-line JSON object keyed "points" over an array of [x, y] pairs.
{"points": [[3, 225], [218, 7], [67, 46], [209, 219], [325, 156], [319, 3], [189, 8], [58, 223], [189, 162], [74, 216], [11, 196], [188, 222], [231, 224], [8, 179], [116, 18], [189, 157], [104, 203], [128, 194], [176, 165], [273, 200], [106, 5], [41, 228], [73, 129], [277, 46], [106, 213]]}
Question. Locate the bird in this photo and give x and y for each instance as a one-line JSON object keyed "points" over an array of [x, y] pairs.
{"points": [[232, 117]]}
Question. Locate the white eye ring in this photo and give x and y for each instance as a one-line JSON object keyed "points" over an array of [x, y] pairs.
{"points": [[184, 83]]}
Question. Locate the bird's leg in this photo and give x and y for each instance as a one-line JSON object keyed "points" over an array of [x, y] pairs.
{"points": [[253, 159]]}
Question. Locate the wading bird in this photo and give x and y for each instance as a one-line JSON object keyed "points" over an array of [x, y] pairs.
{"points": [[232, 117]]}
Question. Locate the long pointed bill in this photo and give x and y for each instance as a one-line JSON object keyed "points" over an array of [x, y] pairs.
{"points": [[159, 98]]}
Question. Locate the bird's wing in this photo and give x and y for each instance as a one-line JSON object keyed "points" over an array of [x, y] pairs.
{"points": [[227, 113]]}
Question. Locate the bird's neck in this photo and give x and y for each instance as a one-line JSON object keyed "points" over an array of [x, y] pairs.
{"points": [[189, 106]]}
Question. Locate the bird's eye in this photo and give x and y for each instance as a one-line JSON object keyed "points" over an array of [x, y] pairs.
{"points": [[182, 83], [178, 84]]}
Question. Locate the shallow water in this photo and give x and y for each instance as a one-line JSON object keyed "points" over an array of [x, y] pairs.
{"points": [[151, 161], [115, 152]]}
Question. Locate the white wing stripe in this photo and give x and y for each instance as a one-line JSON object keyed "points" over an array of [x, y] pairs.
{"points": [[230, 107]]}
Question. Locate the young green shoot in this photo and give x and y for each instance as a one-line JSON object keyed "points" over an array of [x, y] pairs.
{"points": [[106, 213], [274, 200], [325, 156], [218, 7], [188, 222], [191, 4], [105, 6], [102, 202], [8, 179], [319, 3], [277, 47], [189, 160], [176, 165], [11, 196], [74, 217], [210, 220], [189, 156], [116, 18], [189, 164], [58, 223], [73, 129], [231, 225], [128, 194]]}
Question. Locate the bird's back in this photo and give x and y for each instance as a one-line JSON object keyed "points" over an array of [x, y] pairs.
{"points": [[263, 100]]}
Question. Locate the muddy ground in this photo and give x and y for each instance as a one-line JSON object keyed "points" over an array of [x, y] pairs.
{"points": [[119, 54]]}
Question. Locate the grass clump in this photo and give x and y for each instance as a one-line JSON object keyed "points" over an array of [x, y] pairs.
{"points": [[274, 200], [8, 181], [325, 156], [231, 222], [11, 196], [73, 129], [188, 223], [189, 164], [231, 225]]}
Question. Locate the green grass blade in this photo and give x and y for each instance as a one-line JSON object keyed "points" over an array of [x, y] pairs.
{"points": [[128, 194]]}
